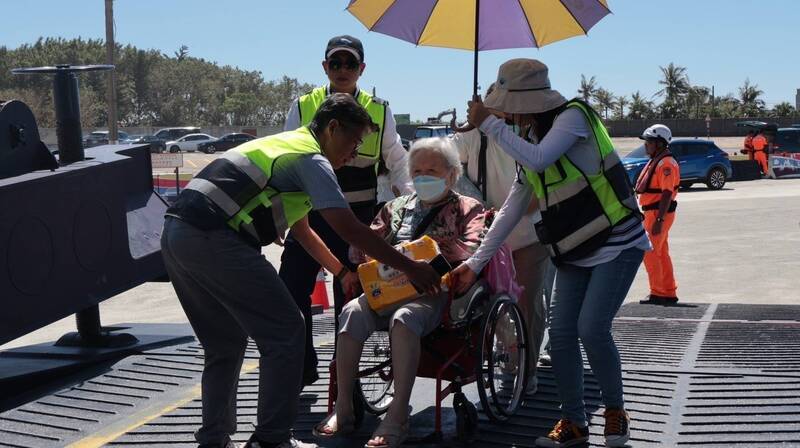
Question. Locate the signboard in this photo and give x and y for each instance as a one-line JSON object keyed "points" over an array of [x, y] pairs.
{"points": [[167, 160], [785, 166]]}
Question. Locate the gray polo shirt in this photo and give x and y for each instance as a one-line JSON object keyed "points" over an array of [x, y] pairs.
{"points": [[312, 174]]}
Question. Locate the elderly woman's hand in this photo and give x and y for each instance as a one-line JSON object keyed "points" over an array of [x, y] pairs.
{"points": [[351, 285], [477, 111]]}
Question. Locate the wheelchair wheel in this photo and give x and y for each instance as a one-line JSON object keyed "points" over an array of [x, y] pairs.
{"points": [[503, 360], [376, 386]]}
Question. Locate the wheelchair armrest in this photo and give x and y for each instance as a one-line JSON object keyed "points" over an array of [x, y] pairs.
{"points": [[461, 306]]}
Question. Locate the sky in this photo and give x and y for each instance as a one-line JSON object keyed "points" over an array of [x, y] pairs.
{"points": [[720, 42]]}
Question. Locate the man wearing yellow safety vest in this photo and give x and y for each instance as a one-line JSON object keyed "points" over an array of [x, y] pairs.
{"points": [[343, 64], [211, 245]]}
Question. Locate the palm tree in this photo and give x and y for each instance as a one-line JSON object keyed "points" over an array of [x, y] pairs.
{"points": [[588, 88], [750, 103], [783, 109], [676, 86], [640, 107], [697, 99], [727, 106], [622, 101], [605, 100]]}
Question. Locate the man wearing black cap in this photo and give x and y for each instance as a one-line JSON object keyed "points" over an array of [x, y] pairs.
{"points": [[344, 64]]}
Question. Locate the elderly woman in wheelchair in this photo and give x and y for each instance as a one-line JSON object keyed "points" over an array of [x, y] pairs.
{"points": [[457, 224]]}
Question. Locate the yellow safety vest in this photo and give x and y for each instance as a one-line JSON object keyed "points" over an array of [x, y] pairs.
{"points": [[235, 186], [579, 209]]}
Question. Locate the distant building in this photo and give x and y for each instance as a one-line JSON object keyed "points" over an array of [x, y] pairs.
{"points": [[797, 100]]}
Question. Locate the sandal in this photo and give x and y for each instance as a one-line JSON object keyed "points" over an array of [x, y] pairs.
{"points": [[393, 435], [331, 427]]}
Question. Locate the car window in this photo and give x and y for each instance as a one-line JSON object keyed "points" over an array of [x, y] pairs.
{"points": [[638, 153], [788, 141], [696, 150], [677, 150]]}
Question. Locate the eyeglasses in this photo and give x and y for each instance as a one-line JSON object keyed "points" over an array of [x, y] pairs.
{"points": [[335, 64]]}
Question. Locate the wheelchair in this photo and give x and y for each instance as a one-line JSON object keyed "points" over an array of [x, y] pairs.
{"points": [[481, 339]]}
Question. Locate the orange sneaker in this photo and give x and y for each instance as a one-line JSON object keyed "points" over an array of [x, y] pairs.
{"points": [[618, 429], [565, 433]]}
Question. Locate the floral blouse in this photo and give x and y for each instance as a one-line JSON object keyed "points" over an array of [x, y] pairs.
{"points": [[458, 228]]}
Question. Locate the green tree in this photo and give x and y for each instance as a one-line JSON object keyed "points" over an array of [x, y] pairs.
{"points": [[750, 102], [605, 100], [640, 107], [153, 89], [588, 88], [621, 102], [727, 106], [783, 109], [676, 85], [697, 104]]}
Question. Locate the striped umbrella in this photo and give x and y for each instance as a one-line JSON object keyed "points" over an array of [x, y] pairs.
{"points": [[479, 24]]}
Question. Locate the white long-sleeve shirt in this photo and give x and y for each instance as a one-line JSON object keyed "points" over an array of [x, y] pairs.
{"points": [[394, 155], [500, 176]]}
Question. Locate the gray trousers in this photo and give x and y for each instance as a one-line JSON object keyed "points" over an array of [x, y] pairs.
{"points": [[229, 291], [531, 264]]}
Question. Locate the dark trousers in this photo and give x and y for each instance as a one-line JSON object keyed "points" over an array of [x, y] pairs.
{"points": [[299, 272], [229, 291]]}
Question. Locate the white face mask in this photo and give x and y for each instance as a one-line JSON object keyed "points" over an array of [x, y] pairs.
{"points": [[430, 188]]}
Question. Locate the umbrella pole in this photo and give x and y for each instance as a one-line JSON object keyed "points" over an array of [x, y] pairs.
{"points": [[475, 63]]}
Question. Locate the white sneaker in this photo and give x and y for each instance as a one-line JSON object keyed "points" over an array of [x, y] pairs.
{"points": [[291, 443]]}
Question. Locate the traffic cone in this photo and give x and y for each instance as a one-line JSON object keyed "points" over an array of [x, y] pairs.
{"points": [[320, 295]]}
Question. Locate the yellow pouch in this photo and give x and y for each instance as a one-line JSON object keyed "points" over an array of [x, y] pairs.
{"points": [[387, 288]]}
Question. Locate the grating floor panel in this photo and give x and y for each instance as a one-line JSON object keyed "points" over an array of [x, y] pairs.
{"points": [[701, 376]]}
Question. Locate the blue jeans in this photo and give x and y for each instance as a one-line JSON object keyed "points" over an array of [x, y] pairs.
{"points": [[584, 303]]}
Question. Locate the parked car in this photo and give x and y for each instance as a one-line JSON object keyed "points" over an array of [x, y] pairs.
{"points": [[156, 145], [787, 140], [432, 130], [224, 143], [406, 143], [699, 161], [170, 134], [98, 138], [189, 142]]}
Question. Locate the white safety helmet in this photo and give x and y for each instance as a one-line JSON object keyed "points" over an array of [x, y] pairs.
{"points": [[657, 131]]}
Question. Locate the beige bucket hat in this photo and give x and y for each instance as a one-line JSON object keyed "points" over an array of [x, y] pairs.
{"points": [[523, 87]]}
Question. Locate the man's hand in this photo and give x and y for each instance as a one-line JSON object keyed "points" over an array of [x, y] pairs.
{"points": [[424, 278], [656, 227], [351, 285], [462, 277], [477, 112]]}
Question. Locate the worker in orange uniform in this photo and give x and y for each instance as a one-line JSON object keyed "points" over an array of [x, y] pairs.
{"points": [[760, 150], [748, 145], [657, 187]]}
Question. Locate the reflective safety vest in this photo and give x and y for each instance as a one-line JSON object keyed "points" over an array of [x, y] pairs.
{"points": [[650, 197], [234, 190], [359, 178], [579, 209]]}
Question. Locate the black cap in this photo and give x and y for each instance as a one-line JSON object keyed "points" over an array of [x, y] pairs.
{"points": [[345, 43]]}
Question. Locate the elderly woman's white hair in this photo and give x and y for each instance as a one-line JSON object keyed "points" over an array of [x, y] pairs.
{"points": [[439, 145]]}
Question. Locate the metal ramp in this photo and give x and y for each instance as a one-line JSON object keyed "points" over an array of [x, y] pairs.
{"points": [[695, 376]]}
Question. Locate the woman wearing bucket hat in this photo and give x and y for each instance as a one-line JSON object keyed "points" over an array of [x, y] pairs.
{"points": [[590, 223]]}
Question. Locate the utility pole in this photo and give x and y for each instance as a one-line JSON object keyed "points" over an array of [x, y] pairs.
{"points": [[712, 101], [111, 95]]}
